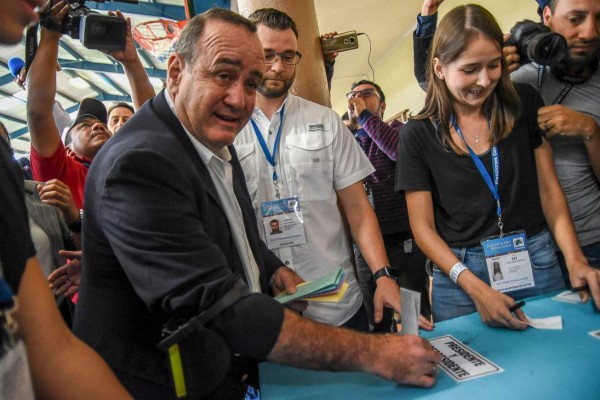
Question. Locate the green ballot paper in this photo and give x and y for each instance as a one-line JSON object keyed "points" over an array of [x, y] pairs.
{"points": [[326, 285]]}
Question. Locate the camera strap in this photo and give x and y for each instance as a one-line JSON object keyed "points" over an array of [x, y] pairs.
{"points": [[563, 93], [31, 45], [564, 77], [239, 290]]}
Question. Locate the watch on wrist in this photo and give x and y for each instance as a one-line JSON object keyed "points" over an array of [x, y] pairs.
{"points": [[76, 226], [385, 271]]}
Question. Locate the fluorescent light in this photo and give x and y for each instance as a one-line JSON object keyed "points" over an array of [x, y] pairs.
{"points": [[21, 95], [79, 83], [8, 103]]}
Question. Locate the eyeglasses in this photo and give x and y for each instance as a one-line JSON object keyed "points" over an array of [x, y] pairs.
{"points": [[365, 93], [287, 57]]}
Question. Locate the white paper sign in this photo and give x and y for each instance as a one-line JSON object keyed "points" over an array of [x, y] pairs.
{"points": [[460, 362], [595, 334], [567, 297]]}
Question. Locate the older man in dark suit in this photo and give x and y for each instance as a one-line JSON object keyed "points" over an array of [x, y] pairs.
{"points": [[170, 234]]}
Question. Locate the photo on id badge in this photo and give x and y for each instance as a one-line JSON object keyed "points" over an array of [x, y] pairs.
{"points": [[283, 223], [508, 262]]}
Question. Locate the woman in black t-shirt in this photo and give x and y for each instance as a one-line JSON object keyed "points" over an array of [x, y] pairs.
{"points": [[474, 165]]}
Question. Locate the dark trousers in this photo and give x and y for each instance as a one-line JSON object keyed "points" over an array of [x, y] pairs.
{"points": [[409, 263]]}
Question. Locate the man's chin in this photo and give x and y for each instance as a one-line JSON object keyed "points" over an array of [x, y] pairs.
{"points": [[581, 58], [272, 93]]}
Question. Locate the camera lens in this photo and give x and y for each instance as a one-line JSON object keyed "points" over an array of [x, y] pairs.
{"points": [[547, 48], [352, 40]]}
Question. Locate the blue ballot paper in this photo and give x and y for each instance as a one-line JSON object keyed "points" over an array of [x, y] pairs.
{"points": [[329, 284]]}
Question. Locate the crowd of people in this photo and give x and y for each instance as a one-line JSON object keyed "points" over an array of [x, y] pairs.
{"points": [[140, 240]]}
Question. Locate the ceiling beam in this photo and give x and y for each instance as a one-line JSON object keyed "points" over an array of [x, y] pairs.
{"points": [[102, 67], [13, 119], [143, 9], [112, 83]]}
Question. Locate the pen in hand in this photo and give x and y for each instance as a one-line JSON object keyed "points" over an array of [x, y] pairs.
{"points": [[516, 306], [581, 288]]}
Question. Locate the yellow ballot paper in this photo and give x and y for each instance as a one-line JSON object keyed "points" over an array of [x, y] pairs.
{"points": [[330, 288]]}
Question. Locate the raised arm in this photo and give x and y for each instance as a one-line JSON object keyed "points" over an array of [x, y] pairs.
{"points": [[141, 88], [41, 84], [422, 38], [383, 134]]}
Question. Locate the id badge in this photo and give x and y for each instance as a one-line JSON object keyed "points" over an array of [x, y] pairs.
{"points": [[508, 262], [15, 378], [283, 222]]}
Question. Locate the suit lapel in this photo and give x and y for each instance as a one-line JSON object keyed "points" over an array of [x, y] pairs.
{"points": [[163, 111]]}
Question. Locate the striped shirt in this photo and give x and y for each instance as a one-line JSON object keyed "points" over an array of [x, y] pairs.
{"points": [[379, 141]]}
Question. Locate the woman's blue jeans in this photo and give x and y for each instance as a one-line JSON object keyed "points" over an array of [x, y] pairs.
{"points": [[450, 301]]}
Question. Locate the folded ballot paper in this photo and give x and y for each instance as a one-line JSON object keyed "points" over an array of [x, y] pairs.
{"points": [[329, 288]]}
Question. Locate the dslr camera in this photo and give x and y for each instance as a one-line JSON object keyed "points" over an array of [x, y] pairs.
{"points": [[535, 42], [93, 30]]}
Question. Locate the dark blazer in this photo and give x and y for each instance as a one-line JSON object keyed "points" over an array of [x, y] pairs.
{"points": [[156, 243]]}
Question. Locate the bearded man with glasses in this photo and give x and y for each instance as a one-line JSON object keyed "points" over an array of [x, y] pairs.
{"points": [[297, 152]]}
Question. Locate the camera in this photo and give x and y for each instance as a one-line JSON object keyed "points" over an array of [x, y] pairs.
{"points": [[342, 42], [535, 42], [93, 30]]}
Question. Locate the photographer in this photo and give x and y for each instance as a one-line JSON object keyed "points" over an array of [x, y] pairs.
{"points": [[570, 119], [571, 116], [88, 133]]}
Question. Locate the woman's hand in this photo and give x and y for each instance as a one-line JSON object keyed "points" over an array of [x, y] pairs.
{"points": [[493, 308]]}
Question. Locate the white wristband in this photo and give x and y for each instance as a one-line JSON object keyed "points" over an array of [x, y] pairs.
{"points": [[456, 270]]}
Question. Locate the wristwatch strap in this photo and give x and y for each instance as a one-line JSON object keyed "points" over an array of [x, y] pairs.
{"points": [[385, 271]]}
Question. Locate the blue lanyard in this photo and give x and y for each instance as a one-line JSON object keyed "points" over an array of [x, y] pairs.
{"points": [[263, 144], [493, 186]]}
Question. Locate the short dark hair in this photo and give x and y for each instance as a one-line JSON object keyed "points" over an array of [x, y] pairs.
{"points": [[120, 104], [5, 132], [186, 45], [274, 19], [367, 82]]}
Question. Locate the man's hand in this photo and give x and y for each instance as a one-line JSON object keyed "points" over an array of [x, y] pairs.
{"points": [[64, 281], [405, 359], [285, 280], [58, 194], [128, 53], [356, 105], [329, 57], [560, 120], [430, 7], [387, 294], [20, 79], [580, 274], [511, 55]]}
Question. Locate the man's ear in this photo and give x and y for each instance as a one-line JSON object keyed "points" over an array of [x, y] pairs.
{"points": [[547, 15], [175, 67], [382, 107]]}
